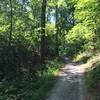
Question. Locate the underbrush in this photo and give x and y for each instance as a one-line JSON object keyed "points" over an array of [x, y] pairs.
{"points": [[92, 78], [30, 86], [82, 57]]}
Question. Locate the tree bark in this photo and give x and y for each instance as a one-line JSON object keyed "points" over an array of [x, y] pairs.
{"points": [[43, 21], [11, 15], [57, 32]]}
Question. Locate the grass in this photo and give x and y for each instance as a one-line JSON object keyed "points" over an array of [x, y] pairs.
{"points": [[92, 78], [30, 87], [82, 57]]}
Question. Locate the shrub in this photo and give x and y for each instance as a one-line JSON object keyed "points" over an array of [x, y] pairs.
{"points": [[82, 57], [93, 80], [30, 87], [80, 38]]}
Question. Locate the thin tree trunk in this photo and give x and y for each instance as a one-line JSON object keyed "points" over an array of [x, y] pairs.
{"points": [[11, 16], [43, 21], [57, 32]]}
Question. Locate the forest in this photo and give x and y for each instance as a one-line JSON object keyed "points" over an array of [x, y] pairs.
{"points": [[35, 38]]}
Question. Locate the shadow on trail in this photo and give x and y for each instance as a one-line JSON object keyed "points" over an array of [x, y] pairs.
{"points": [[69, 84]]}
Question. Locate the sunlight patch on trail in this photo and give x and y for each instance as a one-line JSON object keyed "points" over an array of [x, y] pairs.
{"points": [[69, 84]]}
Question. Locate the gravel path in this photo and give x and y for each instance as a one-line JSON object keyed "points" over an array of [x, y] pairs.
{"points": [[70, 84]]}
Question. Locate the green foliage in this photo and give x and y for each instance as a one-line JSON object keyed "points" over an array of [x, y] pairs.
{"points": [[92, 77], [82, 57], [80, 38], [88, 13], [78, 33], [84, 36], [30, 86], [93, 80]]}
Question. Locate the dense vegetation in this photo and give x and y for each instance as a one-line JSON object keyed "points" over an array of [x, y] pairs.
{"points": [[30, 86], [92, 78], [33, 33]]}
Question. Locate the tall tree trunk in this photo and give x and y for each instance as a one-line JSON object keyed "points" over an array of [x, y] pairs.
{"points": [[11, 15], [57, 32], [43, 21]]}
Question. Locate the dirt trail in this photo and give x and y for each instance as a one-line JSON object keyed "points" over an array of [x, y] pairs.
{"points": [[70, 84]]}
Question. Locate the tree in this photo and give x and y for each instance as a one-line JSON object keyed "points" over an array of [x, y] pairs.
{"points": [[43, 20], [57, 30], [88, 13], [11, 18]]}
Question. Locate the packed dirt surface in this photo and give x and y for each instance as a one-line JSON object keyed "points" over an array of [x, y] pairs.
{"points": [[69, 84]]}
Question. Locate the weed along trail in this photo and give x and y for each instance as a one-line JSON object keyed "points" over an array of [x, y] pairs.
{"points": [[69, 84]]}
